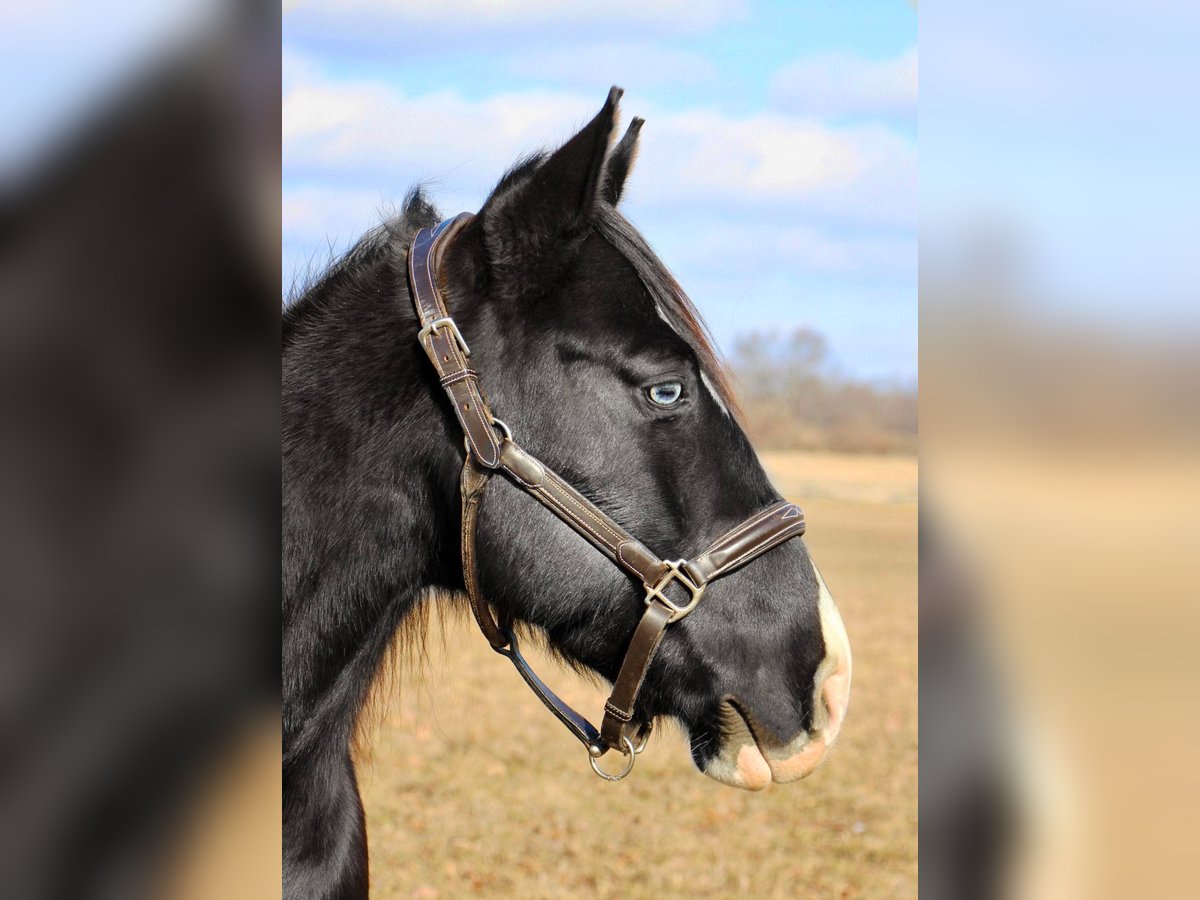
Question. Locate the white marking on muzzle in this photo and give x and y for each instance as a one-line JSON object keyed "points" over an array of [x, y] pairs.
{"points": [[833, 675]]}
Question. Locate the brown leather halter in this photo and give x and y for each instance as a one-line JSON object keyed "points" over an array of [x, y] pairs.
{"points": [[490, 448]]}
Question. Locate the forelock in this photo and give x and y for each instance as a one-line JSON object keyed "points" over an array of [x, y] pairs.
{"points": [[671, 303]]}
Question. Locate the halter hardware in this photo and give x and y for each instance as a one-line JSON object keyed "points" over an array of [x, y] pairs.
{"points": [[629, 751], [444, 322], [490, 447], [654, 593]]}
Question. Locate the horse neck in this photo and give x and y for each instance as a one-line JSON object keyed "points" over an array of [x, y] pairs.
{"points": [[370, 482]]}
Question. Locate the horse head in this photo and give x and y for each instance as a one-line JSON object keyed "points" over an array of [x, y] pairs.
{"points": [[595, 358]]}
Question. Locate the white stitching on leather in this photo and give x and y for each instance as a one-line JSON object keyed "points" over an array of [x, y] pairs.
{"points": [[460, 360], [477, 399], [741, 529], [621, 555], [617, 712], [459, 376], [587, 512], [433, 292], [528, 484], [566, 512], [759, 549], [629, 565]]}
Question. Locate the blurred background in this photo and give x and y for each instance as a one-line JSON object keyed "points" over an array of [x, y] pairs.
{"points": [[1059, 288], [777, 178]]}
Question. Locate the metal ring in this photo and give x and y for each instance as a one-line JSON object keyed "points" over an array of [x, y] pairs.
{"points": [[499, 423], [628, 751], [503, 427]]}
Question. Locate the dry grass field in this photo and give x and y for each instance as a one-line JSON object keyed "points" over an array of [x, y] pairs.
{"points": [[472, 789]]}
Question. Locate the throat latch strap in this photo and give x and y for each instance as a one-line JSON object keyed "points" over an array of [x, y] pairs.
{"points": [[672, 588]]}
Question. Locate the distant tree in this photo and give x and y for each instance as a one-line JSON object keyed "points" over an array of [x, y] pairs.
{"points": [[794, 398]]}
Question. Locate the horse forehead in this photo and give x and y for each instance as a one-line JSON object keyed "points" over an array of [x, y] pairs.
{"points": [[605, 274], [613, 303]]}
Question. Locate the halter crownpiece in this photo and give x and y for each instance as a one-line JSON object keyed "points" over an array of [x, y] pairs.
{"points": [[490, 448]]}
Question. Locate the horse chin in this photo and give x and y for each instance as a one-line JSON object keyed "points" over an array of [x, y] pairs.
{"points": [[750, 759]]}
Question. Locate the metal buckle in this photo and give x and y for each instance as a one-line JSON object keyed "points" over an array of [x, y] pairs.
{"points": [[674, 573], [447, 322]]}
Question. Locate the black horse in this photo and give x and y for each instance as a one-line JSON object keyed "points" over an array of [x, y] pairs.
{"points": [[593, 355]]}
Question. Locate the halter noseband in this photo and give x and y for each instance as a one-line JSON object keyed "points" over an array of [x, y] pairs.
{"points": [[490, 448]]}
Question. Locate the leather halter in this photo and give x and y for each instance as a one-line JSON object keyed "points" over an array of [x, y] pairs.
{"points": [[490, 448]]}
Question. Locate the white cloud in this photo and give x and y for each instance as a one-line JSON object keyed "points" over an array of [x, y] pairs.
{"points": [[372, 134], [474, 14], [842, 85], [297, 70], [769, 161], [318, 215], [642, 65]]}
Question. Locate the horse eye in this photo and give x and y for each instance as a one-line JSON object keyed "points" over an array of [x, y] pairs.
{"points": [[666, 394]]}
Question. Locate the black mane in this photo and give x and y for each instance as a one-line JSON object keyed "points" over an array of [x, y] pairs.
{"points": [[312, 293]]}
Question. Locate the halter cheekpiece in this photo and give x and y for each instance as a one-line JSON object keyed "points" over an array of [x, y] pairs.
{"points": [[490, 448]]}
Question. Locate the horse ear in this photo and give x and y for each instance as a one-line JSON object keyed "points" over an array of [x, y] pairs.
{"points": [[548, 197], [620, 162]]}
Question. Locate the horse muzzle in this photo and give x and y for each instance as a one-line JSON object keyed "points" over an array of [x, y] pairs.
{"points": [[750, 757]]}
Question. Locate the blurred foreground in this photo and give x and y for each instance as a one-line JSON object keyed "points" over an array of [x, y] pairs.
{"points": [[139, 453]]}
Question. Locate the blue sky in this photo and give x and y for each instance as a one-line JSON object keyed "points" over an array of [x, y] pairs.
{"points": [[1071, 127], [777, 172]]}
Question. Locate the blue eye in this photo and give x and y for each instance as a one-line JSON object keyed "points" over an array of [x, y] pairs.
{"points": [[666, 394]]}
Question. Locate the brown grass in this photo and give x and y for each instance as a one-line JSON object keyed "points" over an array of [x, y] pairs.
{"points": [[472, 789]]}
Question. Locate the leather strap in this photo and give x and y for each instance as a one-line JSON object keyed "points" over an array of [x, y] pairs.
{"points": [[581, 514], [584, 730], [474, 481], [473, 484], [487, 452], [618, 710], [763, 531], [736, 547], [444, 343]]}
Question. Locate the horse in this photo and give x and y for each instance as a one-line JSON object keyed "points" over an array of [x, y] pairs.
{"points": [[596, 358]]}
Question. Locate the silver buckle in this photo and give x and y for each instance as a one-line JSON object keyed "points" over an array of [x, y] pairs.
{"points": [[674, 573], [447, 322]]}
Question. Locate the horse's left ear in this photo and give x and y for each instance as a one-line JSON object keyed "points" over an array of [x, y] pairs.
{"points": [[551, 197], [620, 162]]}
